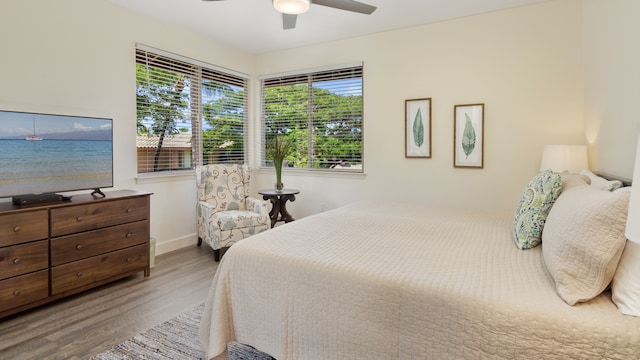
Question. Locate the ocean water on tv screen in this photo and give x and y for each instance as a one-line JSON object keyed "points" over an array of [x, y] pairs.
{"points": [[54, 165]]}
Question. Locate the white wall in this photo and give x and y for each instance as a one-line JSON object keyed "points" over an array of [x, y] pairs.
{"points": [[524, 64], [612, 76], [76, 57]]}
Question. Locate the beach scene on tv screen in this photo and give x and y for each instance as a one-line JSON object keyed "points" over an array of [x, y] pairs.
{"points": [[47, 153]]}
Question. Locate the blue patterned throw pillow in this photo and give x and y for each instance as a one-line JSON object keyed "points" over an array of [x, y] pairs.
{"points": [[534, 206]]}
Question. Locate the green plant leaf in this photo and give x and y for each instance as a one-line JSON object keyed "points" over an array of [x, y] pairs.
{"points": [[468, 137], [418, 129], [279, 148]]}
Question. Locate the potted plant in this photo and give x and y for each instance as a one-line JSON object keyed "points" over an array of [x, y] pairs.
{"points": [[278, 150]]}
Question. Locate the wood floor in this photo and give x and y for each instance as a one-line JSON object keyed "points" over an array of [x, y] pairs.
{"points": [[89, 323]]}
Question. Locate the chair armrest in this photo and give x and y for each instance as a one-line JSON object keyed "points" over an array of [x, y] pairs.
{"points": [[205, 208], [204, 213], [258, 206]]}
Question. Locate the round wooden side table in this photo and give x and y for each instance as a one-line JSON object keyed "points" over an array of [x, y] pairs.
{"points": [[279, 200]]}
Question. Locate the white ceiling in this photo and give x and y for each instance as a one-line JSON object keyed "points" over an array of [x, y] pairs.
{"points": [[255, 26]]}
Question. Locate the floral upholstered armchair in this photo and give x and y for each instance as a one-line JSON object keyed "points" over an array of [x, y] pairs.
{"points": [[225, 212]]}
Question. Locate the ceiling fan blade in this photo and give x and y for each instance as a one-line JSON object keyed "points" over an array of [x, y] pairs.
{"points": [[289, 21], [349, 5]]}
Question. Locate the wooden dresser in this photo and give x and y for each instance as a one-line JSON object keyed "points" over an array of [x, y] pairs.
{"points": [[54, 250]]}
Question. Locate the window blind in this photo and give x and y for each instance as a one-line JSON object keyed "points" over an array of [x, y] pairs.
{"points": [[187, 114], [321, 111]]}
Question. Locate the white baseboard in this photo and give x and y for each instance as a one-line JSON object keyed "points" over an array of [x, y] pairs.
{"points": [[175, 244]]}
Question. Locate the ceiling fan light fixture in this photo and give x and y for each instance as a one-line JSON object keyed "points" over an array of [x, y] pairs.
{"points": [[292, 7]]}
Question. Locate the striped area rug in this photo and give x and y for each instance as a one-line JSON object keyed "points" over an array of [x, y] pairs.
{"points": [[174, 339]]}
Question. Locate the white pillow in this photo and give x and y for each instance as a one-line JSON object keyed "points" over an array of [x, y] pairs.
{"points": [[600, 182], [625, 288], [583, 239], [624, 189], [570, 180]]}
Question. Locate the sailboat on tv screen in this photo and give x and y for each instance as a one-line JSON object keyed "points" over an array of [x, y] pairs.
{"points": [[34, 136]]}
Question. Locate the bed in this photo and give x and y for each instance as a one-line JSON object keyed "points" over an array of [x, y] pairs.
{"points": [[384, 280]]}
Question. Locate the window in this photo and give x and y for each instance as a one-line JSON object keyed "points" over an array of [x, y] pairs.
{"points": [[321, 112], [188, 113]]}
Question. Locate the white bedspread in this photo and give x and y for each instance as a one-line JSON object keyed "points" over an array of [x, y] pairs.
{"points": [[403, 281]]}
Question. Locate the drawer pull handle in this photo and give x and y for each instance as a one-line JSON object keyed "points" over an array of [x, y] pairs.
{"points": [[79, 218], [129, 235], [17, 229], [129, 211], [79, 246], [16, 261], [17, 293], [129, 259], [79, 274]]}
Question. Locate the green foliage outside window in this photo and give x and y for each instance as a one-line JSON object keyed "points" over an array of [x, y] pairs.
{"points": [[326, 125]]}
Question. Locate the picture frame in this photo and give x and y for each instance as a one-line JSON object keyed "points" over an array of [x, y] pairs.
{"points": [[417, 126], [468, 136]]}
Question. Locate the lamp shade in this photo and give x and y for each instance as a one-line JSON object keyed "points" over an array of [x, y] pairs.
{"points": [[291, 6], [559, 158], [633, 217]]}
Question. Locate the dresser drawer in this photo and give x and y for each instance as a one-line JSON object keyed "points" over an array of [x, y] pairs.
{"points": [[85, 272], [23, 227], [24, 258], [24, 289], [73, 219], [91, 243]]}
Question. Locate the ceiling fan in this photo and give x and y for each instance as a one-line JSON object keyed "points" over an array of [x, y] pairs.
{"points": [[291, 8]]}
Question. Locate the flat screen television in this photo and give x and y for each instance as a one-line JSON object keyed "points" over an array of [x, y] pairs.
{"points": [[48, 153]]}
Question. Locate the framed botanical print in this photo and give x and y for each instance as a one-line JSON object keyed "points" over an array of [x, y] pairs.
{"points": [[417, 125], [468, 136]]}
